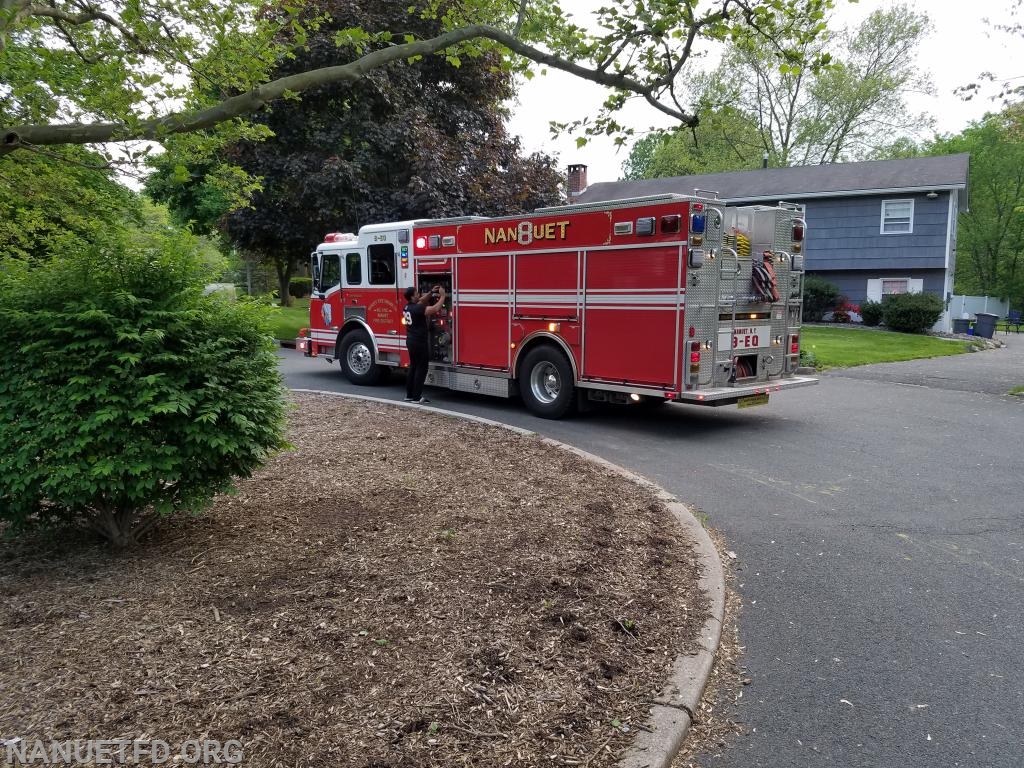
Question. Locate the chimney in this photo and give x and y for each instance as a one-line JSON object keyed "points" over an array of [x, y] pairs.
{"points": [[577, 180]]}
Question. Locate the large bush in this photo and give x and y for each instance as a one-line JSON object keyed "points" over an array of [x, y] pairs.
{"points": [[300, 287], [871, 312], [911, 312], [125, 394], [819, 297]]}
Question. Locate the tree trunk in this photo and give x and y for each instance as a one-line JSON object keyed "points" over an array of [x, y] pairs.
{"points": [[123, 528], [284, 279], [116, 527]]}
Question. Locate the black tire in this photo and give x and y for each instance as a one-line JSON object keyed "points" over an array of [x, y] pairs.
{"points": [[355, 356], [546, 383]]}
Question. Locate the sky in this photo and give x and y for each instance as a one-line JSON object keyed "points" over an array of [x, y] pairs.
{"points": [[960, 46]]}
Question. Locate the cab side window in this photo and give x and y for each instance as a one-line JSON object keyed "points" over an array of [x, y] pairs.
{"points": [[353, 269], [382, 264]]}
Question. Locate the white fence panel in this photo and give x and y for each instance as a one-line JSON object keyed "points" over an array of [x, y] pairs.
{"points": [[969, 306]]}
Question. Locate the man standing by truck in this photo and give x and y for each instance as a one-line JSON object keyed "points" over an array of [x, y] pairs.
{"points": [[417, 340]]}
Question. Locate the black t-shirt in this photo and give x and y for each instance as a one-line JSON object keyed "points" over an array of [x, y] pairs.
{"points": [[415, 323]]}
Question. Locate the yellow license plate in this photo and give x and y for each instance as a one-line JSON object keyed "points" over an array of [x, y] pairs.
{"points": [[751, 400]]}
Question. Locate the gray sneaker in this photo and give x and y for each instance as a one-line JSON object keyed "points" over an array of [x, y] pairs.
{"points": [[422, 400]]}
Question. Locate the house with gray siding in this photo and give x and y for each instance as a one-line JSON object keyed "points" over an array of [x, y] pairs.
{"points": [[875, 227]]}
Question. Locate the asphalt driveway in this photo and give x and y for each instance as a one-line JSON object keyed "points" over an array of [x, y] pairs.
{"points": [[878, 526]]}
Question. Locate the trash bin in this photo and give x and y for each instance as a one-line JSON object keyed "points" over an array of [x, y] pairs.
{"points": [[985, 324], [960, 325]]}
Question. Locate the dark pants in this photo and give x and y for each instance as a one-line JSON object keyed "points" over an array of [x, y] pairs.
{"points": [[419, 355]]}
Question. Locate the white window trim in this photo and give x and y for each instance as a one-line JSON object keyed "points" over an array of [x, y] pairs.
{"points": [[874, 287], [881, 226]]}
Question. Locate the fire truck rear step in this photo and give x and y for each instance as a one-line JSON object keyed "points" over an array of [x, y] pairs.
{"points": [[729, 395]]}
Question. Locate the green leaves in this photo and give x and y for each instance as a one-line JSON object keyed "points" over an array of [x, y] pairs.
{"points": [[152, 56], [355, 37], [990, 237], [114, 389], [58, 200]]}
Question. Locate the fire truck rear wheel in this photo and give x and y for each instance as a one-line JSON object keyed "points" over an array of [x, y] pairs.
{"points": [[546, 383], [355, 353]]}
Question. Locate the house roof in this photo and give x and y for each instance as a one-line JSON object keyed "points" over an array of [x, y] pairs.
{"points": [[917, 174]]}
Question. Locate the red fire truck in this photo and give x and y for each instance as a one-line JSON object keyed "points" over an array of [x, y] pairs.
{"points": [[657, 299]]}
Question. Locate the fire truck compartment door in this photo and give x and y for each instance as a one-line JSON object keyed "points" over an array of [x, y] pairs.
{"points": [[547, 286], [633, 304], [481, 305]]}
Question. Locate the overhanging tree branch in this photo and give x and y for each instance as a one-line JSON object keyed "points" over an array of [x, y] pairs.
{"points": [[26, 10], [15, 137]]}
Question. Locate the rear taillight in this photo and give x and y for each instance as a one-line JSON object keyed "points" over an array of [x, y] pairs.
{"points": [[794, 344]]}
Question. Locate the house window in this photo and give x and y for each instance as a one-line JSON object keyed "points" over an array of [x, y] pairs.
{"points": [[897, 217], [880, 287], [900, 285]]}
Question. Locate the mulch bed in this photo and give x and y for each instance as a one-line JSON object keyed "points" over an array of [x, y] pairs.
{"points": [[402, 589]]}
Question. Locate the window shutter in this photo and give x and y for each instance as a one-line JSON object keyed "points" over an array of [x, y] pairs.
{"points": [[874, 290]]}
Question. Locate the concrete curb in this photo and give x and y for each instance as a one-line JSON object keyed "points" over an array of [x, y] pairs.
{"points": [[672, 712]]}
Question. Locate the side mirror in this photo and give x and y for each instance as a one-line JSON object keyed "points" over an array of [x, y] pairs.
{"points": [[315, 271]]}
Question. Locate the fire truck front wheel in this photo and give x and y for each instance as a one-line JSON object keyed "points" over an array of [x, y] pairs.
{"points": [[546, 383], [355, 353]]}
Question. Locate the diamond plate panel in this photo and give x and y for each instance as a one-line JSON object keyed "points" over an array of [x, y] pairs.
{"points": [[720, 296], [500, 386]]}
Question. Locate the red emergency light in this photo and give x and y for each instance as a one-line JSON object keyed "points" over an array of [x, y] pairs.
{"points": [[340, 237], [671, 224]]}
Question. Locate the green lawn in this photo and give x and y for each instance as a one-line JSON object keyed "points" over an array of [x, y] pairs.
{"points": [[846, 347], [288, 320]]}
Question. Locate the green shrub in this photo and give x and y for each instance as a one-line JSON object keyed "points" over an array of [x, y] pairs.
{"points": [[808, 359], [911, 312], [126, 395], [819, 297], [871, 312], [300, 287]]}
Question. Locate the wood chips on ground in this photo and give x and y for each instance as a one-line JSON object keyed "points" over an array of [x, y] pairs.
{"points": [[402, 589]]}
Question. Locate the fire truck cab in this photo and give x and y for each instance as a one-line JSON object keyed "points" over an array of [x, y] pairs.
{"points": [[664, 298]]}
